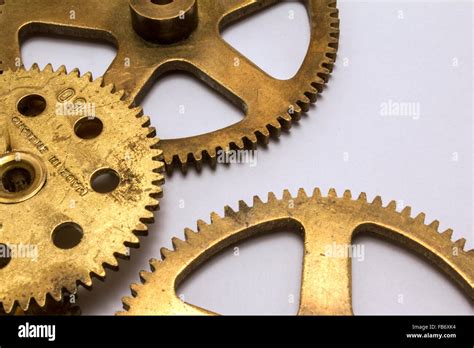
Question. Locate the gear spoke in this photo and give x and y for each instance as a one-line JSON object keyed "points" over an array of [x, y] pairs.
{"points": [[228, 69], [326, 281], [231, 10]]}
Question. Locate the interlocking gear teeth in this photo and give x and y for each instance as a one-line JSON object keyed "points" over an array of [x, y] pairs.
{"points": [[318, 217], [49, 280]]}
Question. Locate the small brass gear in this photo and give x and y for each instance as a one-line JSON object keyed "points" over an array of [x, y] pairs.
{"points": [[326, 280], [80, 177], [184, 35]]}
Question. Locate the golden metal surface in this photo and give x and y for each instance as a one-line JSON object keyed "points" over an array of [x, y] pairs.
{"points": [[76, 221], [51, 308], [326, 280], [269, 104]]}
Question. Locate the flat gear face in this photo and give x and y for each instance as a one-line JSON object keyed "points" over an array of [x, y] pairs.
{"points": [[323, 221], [75, 190], [185, 35]]}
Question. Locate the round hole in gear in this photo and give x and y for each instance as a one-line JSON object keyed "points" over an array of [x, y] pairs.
{"points": [[31, 105], [105, 180], [67, 235], [5, 255], [88, 128], [17, 179]]}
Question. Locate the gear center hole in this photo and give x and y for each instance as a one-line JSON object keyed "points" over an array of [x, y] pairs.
{"points": [[18, 178]]}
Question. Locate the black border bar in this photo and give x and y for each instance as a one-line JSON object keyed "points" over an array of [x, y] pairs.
{"points": [[261, 330]]}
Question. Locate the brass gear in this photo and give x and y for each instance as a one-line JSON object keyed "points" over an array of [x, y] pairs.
{"points": [[326, 280], [77, 189], [185, 35]]}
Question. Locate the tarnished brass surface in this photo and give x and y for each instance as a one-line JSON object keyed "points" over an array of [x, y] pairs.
{"points": [[269, 104], [326, 280], [77, 224]]}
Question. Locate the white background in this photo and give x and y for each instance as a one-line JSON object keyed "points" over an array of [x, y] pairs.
{"points": [[404, 51]]}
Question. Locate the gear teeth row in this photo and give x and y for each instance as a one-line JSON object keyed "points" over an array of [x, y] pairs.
{"points": [[207, 231]]}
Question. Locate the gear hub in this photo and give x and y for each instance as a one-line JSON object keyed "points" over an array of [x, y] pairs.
{"points": [[164, 21]]}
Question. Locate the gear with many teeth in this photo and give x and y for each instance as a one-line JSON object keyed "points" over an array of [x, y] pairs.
{"points": [[323, 221], [184, 35], [80, 178]]}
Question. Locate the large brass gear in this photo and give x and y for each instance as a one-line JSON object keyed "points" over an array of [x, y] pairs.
{"points": [[326, 280], [77, 188], [185, 35]]}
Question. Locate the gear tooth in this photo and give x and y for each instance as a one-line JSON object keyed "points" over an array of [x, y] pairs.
{"points": [[448, 233], [406, 212], [134, 288], [287, 195], [198, 158], [99, 270], [317, 193], [88, 76], [243, 205], [48, 68], [332, 193], [99, 81], [228, 211], [460, 243], [435, 225], [8, 306], [215, 217], [141, 227], [110, 88], [56, 294], [154, 264], [75, 72], [377, 201], [363, 197], [257, 201], [132, 239], [302, 194], [275, 128], [420, 218], [127, 302], [122, 95], [272, 197], [177, 243], [347, 194], [189, 233], [62, 70], [201, 224], [252, 138], [392, 205], [86, 280], [24, 303], [35, 67], [144, 276], [165, 253]]}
